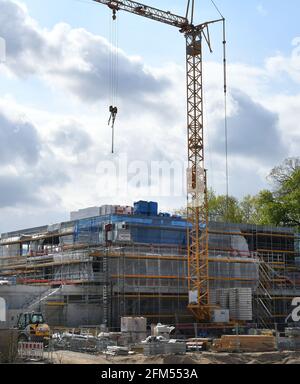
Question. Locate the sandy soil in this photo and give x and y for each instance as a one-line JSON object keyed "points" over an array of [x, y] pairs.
{"points": [[67, 357]]}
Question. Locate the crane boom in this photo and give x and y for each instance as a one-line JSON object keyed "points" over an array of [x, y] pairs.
{"points": [[146, 11], [197, 207]]}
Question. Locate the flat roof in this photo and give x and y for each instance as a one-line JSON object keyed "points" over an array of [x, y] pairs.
{"points": [[147, 220]]}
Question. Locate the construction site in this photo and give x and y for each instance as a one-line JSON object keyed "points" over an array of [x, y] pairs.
{"points": [[128, 262], [131, 278]]}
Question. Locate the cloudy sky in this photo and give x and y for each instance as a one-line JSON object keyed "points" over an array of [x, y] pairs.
{"points": [[55, 90]]}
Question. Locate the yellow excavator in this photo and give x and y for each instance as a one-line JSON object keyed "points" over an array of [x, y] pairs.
{"points": [[32, 327]]}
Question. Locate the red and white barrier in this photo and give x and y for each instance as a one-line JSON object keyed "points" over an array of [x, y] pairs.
{"points": [[31, 350]]}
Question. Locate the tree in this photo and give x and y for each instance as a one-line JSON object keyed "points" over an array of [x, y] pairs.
{"points": [[250, 210], [284, 172], [220, 208], [282, 206], [264, 202], [223, 209]]}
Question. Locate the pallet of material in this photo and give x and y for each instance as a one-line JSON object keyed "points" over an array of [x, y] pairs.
{"points": [[245, 343], [199, 344], [117, 351]]}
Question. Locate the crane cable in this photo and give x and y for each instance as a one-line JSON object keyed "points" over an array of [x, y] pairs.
{"points": [[113, 73], [225, 104], [225, 109]]}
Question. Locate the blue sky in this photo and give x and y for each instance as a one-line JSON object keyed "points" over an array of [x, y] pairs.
{"points": [[256, 29], [54, 98]]}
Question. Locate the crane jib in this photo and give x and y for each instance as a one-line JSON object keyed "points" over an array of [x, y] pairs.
{"points": [[146, 11]]}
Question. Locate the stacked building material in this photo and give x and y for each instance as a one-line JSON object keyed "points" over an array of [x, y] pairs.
{"points": [[292, 339], [173, 347], [199, 344], [160, 346], [151, 349], [135, 328], [85, 213], [237, 300], [220, 316], [117, 351], [116, 210], [220, 297], [240, 303], [245, 343], [123, 210], [104, 210]]}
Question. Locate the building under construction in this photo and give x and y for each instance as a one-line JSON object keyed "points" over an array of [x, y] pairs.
{"points": [[116, 261]]}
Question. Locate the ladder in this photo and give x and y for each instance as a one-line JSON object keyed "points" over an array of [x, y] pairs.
{"points": [[264, 299]]}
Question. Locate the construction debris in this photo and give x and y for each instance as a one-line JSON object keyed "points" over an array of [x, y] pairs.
{"points": [[75, 342], [113, 343], [158, 345], [117, 351], [175, 347], [291, 341], [162, 330]]}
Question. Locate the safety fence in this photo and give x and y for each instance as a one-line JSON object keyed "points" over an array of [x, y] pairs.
{"points": [[31, 350]]}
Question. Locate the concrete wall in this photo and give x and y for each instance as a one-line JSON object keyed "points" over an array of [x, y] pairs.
{"points": [[17, 296]]}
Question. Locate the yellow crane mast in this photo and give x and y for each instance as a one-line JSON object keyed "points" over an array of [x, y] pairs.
{"points": [[197, 208]]}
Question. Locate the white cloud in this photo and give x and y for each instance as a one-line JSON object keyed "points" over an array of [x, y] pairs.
{"points": [[54, 168], [73, 59], [289, 65], [254, 132]]}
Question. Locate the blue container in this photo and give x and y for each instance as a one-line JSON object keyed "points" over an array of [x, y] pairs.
{"points": [[141, 208], [153, 208], [146, 208], [164, 214]]}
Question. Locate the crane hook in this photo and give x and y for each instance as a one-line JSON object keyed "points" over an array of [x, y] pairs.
{"points": [[113, 113]]}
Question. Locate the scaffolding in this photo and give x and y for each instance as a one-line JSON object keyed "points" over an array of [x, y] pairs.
{"points": [[98, 282]]}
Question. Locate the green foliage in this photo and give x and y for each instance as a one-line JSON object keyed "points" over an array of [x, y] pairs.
{"points": [[282, 206], [250, 209], [224, 209], [279, 207]]}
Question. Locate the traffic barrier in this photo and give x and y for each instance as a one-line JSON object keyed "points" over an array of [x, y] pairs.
{"points": [[31, 350]]}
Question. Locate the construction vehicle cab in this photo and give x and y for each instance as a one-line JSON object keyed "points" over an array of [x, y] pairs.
{"points": [[32, 327]]}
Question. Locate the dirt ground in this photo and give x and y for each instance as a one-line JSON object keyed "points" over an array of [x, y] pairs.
{"points": [[67, 357]]}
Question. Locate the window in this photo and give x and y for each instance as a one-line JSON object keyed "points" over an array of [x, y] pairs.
{"points": [[22, 322], [37, 318]]}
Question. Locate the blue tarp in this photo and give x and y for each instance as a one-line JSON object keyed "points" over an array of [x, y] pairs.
{"points": [[144, 229]]}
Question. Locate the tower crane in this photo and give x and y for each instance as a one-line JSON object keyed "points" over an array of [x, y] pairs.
{"points": [[197, 205]]}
